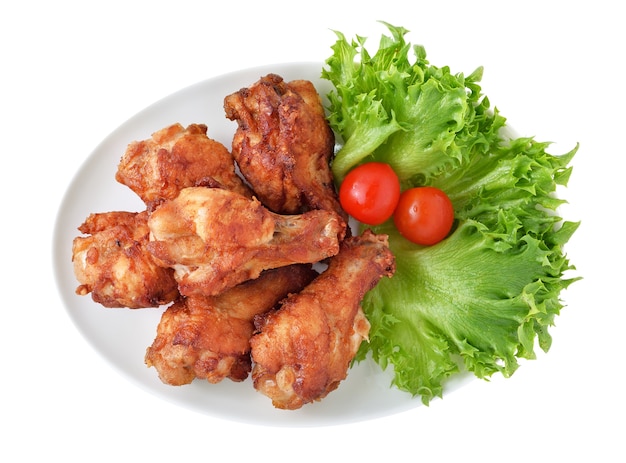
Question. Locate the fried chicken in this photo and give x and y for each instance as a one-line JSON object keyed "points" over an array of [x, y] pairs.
{"points": [[303, 350], [209, 337], [113, 264], [175, 157], [283, 145], [216, 239]]}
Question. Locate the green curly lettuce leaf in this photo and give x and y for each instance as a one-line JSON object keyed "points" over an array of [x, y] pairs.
{"points": [[406, 114], [486, 295]]}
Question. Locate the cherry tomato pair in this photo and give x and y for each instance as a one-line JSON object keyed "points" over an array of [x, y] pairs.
{"points": [[371, 194]]}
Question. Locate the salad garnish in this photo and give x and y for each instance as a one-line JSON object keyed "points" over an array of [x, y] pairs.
{"points": [[485, 296]]}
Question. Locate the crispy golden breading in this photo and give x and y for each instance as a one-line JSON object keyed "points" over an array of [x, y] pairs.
{"points": [[283, 145], [303, 350], [175, 157], [234, 255], [209, 337], [113, 264], [216, 239]]}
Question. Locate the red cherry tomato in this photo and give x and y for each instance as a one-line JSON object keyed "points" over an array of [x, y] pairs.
{"points": [[424, 215], [370, 192]]}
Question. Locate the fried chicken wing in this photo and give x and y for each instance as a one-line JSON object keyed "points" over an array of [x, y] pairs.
{"points": [[209, 337], [283, 145], [113, 264], [215, 238], [303, 350], [175, 157]]}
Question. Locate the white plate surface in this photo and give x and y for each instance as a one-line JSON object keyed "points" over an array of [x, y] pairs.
{"points": [[122, 335]]}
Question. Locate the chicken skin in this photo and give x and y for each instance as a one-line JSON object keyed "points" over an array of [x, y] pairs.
{"points": [[283, 145], [209, 337], [303, 350], [215, 239], [114, 265], [175, 157]]}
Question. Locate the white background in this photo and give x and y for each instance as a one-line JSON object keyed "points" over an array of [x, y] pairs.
{"points": [[71, 72]]}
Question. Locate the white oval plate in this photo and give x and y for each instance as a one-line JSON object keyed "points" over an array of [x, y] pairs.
{"points": [[122, 335]]}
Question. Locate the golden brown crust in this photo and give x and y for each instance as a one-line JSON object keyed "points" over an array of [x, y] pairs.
{"points": [[303, 350], [175, 157], [216, 239], [209, 337], [113, 264], [225, 256], [283, 145]]}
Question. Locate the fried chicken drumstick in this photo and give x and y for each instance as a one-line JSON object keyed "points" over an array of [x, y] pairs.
{"points": [[234, 256], [174, 158], [303, 350], [209, 337], [114, 265], [215, 239], [283, 145]]}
